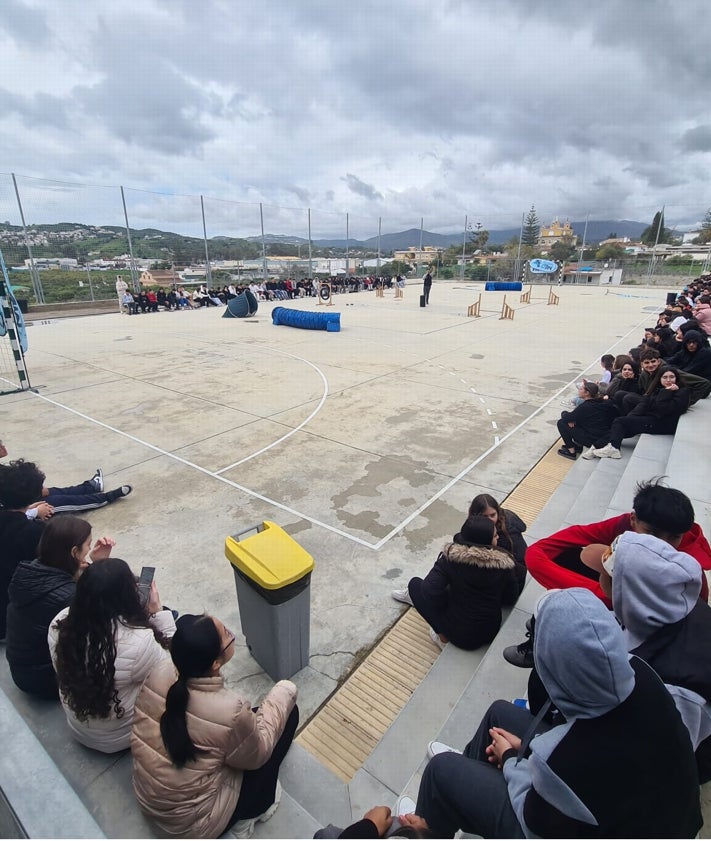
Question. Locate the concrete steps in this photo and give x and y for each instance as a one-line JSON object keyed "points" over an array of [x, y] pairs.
{"points": [[447, 705]]}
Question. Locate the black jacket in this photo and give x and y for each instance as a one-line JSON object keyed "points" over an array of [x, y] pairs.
{"points": [[592, 418], [37, 594], [469, 584], [19, 538], [666, 407], [512, 541]]}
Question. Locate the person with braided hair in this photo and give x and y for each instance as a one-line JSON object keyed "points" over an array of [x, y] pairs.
{"points": [[204, 761], [103, 646]]}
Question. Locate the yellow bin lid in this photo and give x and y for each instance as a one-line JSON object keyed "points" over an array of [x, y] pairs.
{"points": [[271, 557]]}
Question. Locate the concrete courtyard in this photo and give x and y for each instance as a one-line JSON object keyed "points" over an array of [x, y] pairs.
{"points": [[365, 445]]}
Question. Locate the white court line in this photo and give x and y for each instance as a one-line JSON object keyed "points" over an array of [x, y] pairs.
{"points": [[494, 426], [489, 412], [296, 428], [498, 441], [205, 471], [472, 389]]}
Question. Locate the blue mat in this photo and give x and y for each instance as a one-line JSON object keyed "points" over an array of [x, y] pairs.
{"points": [[330, 321], [503, 286]]}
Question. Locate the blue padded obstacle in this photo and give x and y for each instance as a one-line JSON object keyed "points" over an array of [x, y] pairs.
{"points": [[330, 321], [503, 286], [242, 306]]}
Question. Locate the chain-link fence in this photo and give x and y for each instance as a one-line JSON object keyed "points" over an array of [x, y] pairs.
{"points": [[70, 242]]}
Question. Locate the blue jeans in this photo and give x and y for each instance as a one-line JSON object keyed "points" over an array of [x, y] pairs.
{"points": [[75, 498]]}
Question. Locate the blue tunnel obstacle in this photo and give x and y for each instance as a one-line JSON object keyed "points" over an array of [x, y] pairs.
{"points": [[242, 306], [503, 286], [330, 321]]}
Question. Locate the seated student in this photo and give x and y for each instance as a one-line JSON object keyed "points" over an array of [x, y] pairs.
{"points": [[665, 401], [694, 356], [587, 424], [22, 516], [103, 647], [172, 298], [555, 561], [625, 382], [162, 299], [702, 313], [152, 300], [462, 595], [38, 591], [607, 362], [622, 765], [128, 301], [655, 596], [509, 530], [649, 361], [203, 760], [184, 301]]}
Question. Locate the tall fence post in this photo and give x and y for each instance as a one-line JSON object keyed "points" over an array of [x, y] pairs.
{"points": [[208, 272], [34, 274], [132, 262]]}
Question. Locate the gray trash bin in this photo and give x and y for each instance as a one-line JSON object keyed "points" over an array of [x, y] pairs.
{"points": [[273, 577]]}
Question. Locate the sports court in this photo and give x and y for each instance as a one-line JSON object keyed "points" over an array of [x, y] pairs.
{"points": [[365, 445]]}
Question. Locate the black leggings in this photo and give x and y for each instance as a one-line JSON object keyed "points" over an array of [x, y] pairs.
{"points": [[259, 786]]}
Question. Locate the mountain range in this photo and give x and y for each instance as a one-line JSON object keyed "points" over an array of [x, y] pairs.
{"points": [[401, 240]]}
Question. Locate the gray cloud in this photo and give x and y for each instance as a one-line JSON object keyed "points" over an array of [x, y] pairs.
{"points": [[24, 23], [360, 188], [697, 139]]}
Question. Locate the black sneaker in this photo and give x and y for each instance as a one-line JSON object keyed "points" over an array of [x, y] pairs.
{"points": [[520, 655], [97, 480]]}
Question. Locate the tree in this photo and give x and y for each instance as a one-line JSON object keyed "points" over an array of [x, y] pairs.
{"points": [[562, 250], [479, 237], [396, 267], [531, 228], [705, 234], [611, 251], [649, 235]]}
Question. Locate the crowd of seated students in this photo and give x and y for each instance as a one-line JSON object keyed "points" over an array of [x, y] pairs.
{"points": [[646, 390]]}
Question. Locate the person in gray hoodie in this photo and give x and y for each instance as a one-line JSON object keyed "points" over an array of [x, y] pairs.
{"points": [[621, 766], [655, 593]]}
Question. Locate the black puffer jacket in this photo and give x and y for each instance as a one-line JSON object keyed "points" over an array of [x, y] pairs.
{"points": [[37, 594], [468, 584], [19, 538], [512, 541]]}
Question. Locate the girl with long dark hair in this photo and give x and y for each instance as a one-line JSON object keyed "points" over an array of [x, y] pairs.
{"points": [[509, 530], [103, 647], [203, 760], [665, 401], [462, 595], [38, 591]]}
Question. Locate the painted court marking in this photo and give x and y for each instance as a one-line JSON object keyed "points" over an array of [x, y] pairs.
{"points": [[498, 441]]}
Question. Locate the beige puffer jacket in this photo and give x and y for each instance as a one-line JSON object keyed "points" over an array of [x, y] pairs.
{"points": [[198, 800]]}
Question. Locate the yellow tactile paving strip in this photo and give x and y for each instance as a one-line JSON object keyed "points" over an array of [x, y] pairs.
{"points": [[351, 723]]}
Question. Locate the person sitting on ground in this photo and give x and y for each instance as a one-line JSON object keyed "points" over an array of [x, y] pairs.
{"points": [[184, 301], [162, 298], [665, 401], [462, 595], [203, 760], [128, 301], [103, 647], [587, 425], [23, 515], [39, 589], [621, 766], [509, 531], [555, 561], [694, 356]]}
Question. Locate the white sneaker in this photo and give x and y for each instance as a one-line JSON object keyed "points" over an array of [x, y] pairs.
{"points": [[608, 451], [405, 806], [588, 454], [434, 636], [402, 596], [439, 747], [245, 828]]}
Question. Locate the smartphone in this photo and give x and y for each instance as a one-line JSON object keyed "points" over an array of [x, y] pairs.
{"points": [[144, 584]]}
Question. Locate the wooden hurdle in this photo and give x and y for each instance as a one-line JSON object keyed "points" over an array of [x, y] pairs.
{"points": [[526, 297], [399, 292], [553, 299], [474, 311], [507, 312], [379, 291]]}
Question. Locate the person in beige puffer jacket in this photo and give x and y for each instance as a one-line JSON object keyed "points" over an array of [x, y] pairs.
{"points": [[203, 759]]}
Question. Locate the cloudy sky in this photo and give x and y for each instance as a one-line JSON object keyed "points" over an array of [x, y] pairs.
{"points": [[399, 109]]}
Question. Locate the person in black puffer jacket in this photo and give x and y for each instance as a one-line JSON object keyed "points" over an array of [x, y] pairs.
{"points": [[509, 531], [462, 595], [39, 590]]}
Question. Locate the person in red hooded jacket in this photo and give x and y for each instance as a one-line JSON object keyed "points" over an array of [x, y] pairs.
{"points": [[554, 561]]}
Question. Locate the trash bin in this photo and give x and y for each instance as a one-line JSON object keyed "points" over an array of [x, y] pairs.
{"points": [[273, 576], [422, 300]]}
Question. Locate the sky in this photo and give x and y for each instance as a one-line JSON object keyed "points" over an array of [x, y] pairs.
{"points": [[399, 110]]}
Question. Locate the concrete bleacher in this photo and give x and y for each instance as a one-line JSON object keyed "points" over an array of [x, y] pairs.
{"points": [[53, 787]]}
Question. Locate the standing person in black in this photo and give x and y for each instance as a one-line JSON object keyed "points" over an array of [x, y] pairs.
{"points": [[426, 286]]}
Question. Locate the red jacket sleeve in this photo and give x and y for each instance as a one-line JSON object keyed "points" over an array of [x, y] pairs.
{"points": [[541, 556]]}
